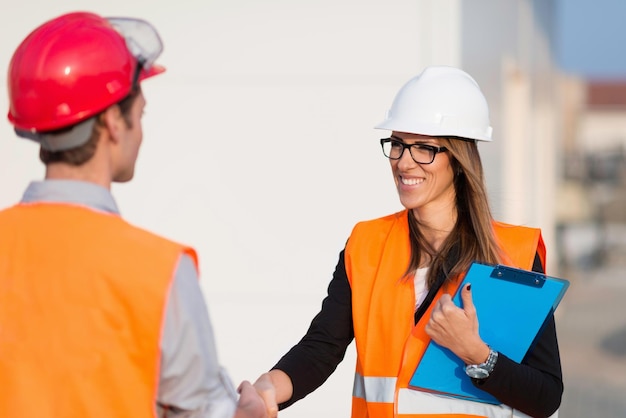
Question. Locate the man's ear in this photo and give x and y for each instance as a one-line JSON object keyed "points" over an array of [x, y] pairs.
{"points": [[113, 122]]}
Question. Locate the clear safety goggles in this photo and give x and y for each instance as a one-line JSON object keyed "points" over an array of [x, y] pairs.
{"points": [[142, 39]]}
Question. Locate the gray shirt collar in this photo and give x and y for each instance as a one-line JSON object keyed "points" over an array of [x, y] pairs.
{"points": [[71, 191]]}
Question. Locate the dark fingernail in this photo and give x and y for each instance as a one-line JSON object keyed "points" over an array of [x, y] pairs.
{"points": [[469, 287]]}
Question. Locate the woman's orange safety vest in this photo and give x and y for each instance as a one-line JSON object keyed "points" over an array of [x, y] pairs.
{"points": [[389, 345], [82, 303]]}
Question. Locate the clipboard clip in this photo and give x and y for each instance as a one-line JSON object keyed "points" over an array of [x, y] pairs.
{"points": [[528, 278]]}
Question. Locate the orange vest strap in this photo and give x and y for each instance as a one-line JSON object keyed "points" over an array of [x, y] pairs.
{"points": [[520, 244]]}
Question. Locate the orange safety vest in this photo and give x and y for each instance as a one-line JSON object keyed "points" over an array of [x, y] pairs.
{"points": [[389, 345], [82, 303]]}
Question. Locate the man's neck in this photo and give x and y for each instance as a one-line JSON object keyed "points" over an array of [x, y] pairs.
{"points": [[63, 171]]}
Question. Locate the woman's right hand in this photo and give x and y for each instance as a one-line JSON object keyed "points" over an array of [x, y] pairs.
{"points": [[266, 389], [274, 387], [250, 404]]}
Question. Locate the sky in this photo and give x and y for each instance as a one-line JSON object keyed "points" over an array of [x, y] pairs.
{"points": [[591, 37]]}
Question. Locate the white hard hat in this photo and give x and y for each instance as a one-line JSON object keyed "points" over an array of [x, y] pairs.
{"points": [[440, 101]]}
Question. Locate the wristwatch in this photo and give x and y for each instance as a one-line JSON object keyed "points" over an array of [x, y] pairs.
{"points": [[482, 370]]}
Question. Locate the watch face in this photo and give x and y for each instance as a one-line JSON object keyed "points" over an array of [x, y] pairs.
{"points": [[476, 373]]}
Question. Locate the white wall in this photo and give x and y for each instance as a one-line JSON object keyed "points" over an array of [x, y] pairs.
{"points": [[507, 46], [259, 152], [293, 89]]}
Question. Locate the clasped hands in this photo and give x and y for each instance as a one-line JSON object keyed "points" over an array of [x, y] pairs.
{"points": [[258, 400]]}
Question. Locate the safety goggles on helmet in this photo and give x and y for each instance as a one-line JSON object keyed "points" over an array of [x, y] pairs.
{"points": [[143, 42]]}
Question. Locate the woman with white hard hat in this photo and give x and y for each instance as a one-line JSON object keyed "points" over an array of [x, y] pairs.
{"points": [[391, 288]]}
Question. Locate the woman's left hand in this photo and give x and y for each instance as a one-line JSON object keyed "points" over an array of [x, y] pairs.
{"points": [[457, 328]]}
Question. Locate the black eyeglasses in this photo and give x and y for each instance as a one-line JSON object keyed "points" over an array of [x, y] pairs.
{"points": [[393, 148]]}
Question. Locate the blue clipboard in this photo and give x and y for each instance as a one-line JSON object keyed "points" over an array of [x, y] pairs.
{"points": [[512, 306]]}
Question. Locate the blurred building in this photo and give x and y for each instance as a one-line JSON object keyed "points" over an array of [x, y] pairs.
{"points": [[508, 47], [591, 200]]}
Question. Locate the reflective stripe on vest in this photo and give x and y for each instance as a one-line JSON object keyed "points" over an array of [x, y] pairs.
{"points": [[410, 401], [374, 389], [382, 389]]}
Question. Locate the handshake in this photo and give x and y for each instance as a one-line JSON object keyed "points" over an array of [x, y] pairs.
{"points": [[258, 400]]}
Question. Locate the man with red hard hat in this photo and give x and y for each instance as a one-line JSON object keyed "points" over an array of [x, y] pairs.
{"points": [[98, 318]]}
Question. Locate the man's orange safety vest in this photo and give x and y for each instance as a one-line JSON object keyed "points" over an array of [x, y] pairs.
{"points": [[82, 303], [389, 345]]}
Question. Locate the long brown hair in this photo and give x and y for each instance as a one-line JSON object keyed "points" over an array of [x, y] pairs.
{"points": [[472, 238]]}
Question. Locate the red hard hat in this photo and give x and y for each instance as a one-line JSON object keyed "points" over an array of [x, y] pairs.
{"points": [[75, 66]]}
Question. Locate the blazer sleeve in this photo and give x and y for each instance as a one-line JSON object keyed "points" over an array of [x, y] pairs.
{"points": [[312, 360]]}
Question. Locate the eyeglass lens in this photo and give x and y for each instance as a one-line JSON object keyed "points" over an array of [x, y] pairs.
{"points": [[420, 153]]}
